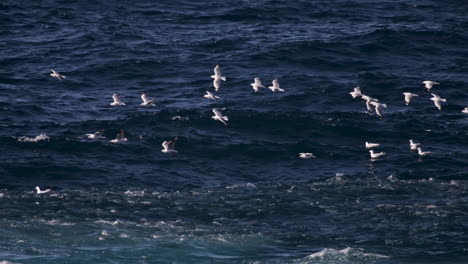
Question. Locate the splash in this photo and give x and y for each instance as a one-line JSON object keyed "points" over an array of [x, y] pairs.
{"points": [[38, 138]]}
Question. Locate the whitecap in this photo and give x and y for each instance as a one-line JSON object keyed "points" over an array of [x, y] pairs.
{"points": [[38, 138], [344, 254]]}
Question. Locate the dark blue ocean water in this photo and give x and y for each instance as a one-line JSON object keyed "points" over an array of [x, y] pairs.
{"points": [[236, 193]]}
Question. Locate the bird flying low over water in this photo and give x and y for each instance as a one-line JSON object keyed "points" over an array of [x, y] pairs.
{"points": [[257, 84], [438, 101], [307, 155], [378, 108], [219, 116], [428, 85], [117, 101], [369, 100], [356, 92], [57, 75], [217, 78], [210, 95], [146, 101], [275, 86], [414, 146], [169, 146], [97, 135], [408, 97]]}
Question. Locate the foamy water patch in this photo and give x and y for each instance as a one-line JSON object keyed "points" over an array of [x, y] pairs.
{"points": [[341, 255], [40, 137]]}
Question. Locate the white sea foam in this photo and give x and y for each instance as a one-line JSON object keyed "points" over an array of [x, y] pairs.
{"points": [[38, 138], [242, 185], [344, 254]]}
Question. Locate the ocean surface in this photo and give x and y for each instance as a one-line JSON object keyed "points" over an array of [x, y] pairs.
{"points": [[237, 193]]}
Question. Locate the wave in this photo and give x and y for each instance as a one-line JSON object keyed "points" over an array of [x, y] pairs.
{"points": [[40, 137]]}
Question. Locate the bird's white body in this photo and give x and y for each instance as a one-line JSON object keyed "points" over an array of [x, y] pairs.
{"points": [[117, 101], [414, 146], [438, 101], [39, 191], [217, 78], [257, 84], [376, 155], [307, 155], [356, 92], [57, 75], [120, 138], [219, 116], [210, 95], [369, 100], [169, 146], [275, 86], [146, 100], [423, 153], [408, 97], [465, 110], [429, 84], [371, 145], [378, 108], [97, 135]]}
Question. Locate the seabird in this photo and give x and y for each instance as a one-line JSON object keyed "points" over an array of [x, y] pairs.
{"points": [[146, 101], [39, 191], [275, 86], [408, 97], [119, 138], [437, 101], [371, 145], [116, 100], [169, 146], [414, 146], [217, 78], [257, 84], [368, 100], [465, 110], [429, 84], [210, 95], [306, 155], [219, 116], [97, 135], [57, 75], [376, 155], [423, 153], [356, 92], [378, 108]]}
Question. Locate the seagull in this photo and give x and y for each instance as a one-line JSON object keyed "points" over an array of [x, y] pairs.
{"points": [[257, 84], [57, 75], [275, 86], [169, 146], [306, 155], [219, 116], [116, 100], [368, 100], [217, 78], [119, 138], [429, 84], [408, 97], [210, 95], [371, 145], [378, 108], [97, 135], [376, 155], [423, 153], [39, 191], [146, 101], [465, 110], [356, 93], [414, 146], [437, 101]]}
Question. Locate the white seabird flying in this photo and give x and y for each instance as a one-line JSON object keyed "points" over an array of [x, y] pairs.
{"points": [[57, 75], [428, 85], [97, 135], [306, 155], [275, 86], [408, 97], [210, 95], [369, 100], [219, 116], [356, 92], [169, 146], [116, 100], [257, 84], [376, 155], [437, 101], [119, 138], [39, 191], [414, 146], [371, 145], [217, 78], [146, 101], [378, 108]]}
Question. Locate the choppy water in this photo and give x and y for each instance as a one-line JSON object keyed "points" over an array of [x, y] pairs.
{"points": [[235, 194]]}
